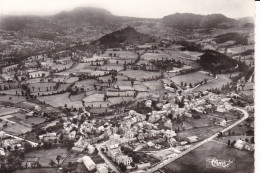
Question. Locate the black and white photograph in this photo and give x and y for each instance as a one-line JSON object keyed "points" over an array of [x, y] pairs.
{"points": [[127, 86]]}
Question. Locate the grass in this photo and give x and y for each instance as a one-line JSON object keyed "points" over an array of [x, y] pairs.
{"points": [[94, 98], [15, 128], [60, 100], [140, 74], [153, 85], [122, 54], [14, 99], [218, 83], [192, 78], [195, 161], [11, 91], [22, 118], [201, 132]]}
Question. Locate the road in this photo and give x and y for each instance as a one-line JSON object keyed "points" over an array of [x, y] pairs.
{"points": [[34, 144], [167, 161], [108, 162]]}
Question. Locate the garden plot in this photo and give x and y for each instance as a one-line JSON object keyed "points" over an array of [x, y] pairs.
{"points": [[140, 75], [192, 78]]}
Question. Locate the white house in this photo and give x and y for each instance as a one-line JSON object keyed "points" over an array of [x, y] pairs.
{"points": [[88, 162]]}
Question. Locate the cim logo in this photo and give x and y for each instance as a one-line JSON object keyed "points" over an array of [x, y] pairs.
{"points": [[220, 163]]}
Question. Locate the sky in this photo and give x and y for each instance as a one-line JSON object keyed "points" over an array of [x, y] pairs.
{"points": [[132, 8]]}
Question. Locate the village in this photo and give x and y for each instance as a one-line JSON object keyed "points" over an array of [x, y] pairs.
{"points": [[131, 108]]}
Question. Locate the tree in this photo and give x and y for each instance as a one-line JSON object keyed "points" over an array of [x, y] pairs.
{"points": [[122, 167], [58, 158], [252, 140], [52, 163]]}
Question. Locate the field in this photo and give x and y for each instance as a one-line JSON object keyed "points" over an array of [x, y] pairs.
{"points": [[153, 85], [60, 100], [218, 83], [94, 98], [46, 156], [38, 170], [201, 132], [122, 54], [195, 161], [14, 128], [192, 78], [21, 118], [11, 91], [140, 74], [12, 99]]}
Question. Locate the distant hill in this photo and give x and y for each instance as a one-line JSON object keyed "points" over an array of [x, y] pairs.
{"points": [[189, 20], [216, 62], [89, 15], [13, 23], [233, 36], [127, 35]]}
